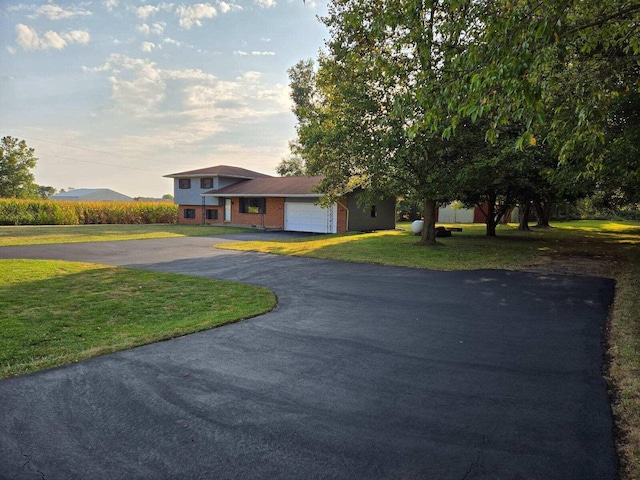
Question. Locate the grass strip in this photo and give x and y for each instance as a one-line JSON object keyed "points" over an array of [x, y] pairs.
{"points": [[466, 250], [624, 363], [49, 234], [54, 312]]}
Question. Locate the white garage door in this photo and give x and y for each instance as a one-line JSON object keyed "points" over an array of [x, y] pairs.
{"points": [[307, 217]]}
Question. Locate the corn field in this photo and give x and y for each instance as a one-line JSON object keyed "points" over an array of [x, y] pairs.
{"points": [[51, 212]]}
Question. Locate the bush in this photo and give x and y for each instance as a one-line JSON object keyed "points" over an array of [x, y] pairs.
{"points": [[50, 212]]}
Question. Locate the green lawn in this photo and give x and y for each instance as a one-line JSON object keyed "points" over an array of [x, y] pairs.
{"points": [[45, 234], [599, 248], [53, 312], [469, 249]]}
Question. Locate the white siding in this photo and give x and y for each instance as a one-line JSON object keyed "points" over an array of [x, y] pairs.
{"points": [[450, 215]]}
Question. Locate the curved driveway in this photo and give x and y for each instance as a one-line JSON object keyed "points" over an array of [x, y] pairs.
{"points": [[361, 372]]}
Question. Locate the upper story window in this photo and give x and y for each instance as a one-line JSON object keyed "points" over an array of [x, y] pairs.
{"points": [[206, 183], [253, 205], [184, 183]]}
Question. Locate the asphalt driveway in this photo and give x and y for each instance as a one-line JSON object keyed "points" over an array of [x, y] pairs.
{"points": [[361, 372]]}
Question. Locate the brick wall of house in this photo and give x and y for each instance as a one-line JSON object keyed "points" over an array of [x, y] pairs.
{"points": [[273, 218], [197, 220]]}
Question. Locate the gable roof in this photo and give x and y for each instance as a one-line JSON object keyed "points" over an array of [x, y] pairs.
{"points": [[271, 187], [79, 192], [219, 171], [105, 193]]}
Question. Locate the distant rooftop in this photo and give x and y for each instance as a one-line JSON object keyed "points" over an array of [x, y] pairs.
{"points": [[91, 194], [78, 192]]}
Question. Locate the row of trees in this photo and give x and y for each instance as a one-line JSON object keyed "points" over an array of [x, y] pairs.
{"points": [[491, 102]]}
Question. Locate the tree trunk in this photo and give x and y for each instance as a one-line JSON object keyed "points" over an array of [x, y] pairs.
{"points": [[524, 212], [543, 212], [429, 226], [491, 215]]}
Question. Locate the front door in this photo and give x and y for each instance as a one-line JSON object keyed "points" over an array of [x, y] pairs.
{"points": [[227, 209]]}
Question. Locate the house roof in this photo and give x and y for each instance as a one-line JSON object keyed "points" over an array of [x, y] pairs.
{"points": [[271, 187], [219, 171], [83, 192]]}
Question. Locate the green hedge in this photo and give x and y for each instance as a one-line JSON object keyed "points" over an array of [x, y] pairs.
{"points": [[50, 212]]}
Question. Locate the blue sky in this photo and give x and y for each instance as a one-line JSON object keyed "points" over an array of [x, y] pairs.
{"points": [[116, 94]]}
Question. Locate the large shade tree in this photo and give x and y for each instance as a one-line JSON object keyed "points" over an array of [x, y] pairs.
{"points": [[401, 81], [360, 120], [16, 162]]}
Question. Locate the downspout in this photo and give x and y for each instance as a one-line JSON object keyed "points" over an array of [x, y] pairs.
{"points": [[347, 210]]}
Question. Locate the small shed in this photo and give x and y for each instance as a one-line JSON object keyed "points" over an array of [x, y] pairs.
{"points": [[91, 195]]}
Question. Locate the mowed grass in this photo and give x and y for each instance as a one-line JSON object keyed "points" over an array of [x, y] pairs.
{"points": [[48, 234], [53, 312], [599, 248], [469, 249]]}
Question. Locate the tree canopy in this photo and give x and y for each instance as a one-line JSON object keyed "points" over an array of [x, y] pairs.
{"points": [[479, 100], [16, 162]]}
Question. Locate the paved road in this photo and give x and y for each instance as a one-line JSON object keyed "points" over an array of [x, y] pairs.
{"points": [[362, 372]]}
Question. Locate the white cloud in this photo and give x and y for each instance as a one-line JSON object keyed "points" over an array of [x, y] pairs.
{"points": [[189, 74], [11, 50], [52, 39], [265, 3], [28, 38], [55, 12], [266, 40], [144, 29], [189, 105], [255, 53], [110, 4], [227, 7], [147, 11], [193, 14], [158, 28], [77, 36], [171, 41], [147, 46]]}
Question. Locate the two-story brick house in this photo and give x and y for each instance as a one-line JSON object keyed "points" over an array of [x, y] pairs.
{"points": [[236, 196]]}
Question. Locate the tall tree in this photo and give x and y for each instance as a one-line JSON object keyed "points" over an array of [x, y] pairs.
{"points": [[360, 122], [16, 162], [291, 166]]}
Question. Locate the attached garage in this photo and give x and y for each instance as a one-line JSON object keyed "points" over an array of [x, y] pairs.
{"points": [[305, 216]]}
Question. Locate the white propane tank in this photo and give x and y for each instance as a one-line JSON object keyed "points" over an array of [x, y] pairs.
{"points": [[416, 227]]}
